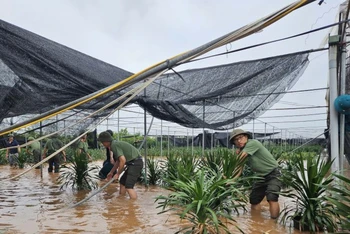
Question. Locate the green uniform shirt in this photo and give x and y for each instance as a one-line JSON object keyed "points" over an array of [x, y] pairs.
{"points": [[260, 159], [120, 148], [34, 146], [53, 144], [83, 146]]}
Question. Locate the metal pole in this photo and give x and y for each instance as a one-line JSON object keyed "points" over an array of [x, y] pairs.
{"points": [[168, 142], [161, 138], [253, 129], [290, 141], [145, 135], [227, 136], [294, 142], [156, 138], [107, 124], [64, 126], [333, 93], [192, 140], [203, 140], [174, 145], [56, 123], [281, 138], [187, 140], [212, 141], [265, 133], [342, 116], [134, 136], [41, 156], [234, 121], [286, 140], [118, 126]]}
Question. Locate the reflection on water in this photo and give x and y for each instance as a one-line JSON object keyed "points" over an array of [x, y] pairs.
{"points": [[33, 204]]}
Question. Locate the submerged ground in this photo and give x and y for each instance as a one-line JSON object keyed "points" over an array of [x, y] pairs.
{"points": [[33, 204]]}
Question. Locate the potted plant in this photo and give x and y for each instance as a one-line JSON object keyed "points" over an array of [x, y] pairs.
{"points": [[223, 161], [311, 210], [154, 171], [340, 198], [78, 174], [205, 200], [178, 167], [22, 159]]}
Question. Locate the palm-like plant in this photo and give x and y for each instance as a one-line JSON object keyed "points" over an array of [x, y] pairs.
{"points": [[341, 200], [179, 167], [309, 184], [3, 159], [79, 175], [204, 200], [229, 164], [22, 159], [154, 171]]}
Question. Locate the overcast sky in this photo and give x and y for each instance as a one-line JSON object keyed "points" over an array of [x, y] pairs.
{"points": [[136, 34]]}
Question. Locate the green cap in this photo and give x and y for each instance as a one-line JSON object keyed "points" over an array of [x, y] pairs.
{"points": [[105, 137], [237, 132]]}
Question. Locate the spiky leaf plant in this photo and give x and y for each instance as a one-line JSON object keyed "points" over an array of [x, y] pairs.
{"points": [[77, 174], [22, 159], [3, 159], [154, 171], [340, 198], [205, 200], [229, 164], [179, 167], [308, 185]]}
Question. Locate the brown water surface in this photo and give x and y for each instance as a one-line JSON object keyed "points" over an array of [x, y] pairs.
{"points": [[32, 204]]}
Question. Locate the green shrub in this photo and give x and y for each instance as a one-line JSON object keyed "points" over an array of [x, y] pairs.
{"points": [[22, 159], [3, 159], [78, 174], [205, 200], [309, 183]]}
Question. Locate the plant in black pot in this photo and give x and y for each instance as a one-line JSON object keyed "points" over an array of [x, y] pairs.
{"points": [[205, 200], [22, 159], [77, 174], [341, 200], [310, 210]]}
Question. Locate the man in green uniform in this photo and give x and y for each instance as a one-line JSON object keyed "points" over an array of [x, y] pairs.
{"points": [[51, 146], [127, 158], [108, 163], [82, 147], [264, 165], [34, 150]]}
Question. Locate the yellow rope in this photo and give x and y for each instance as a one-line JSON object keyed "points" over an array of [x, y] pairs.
{"points": [[278, 17]]}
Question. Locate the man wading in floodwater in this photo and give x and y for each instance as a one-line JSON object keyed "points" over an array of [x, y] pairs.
{"points": [[108, 163], [264, 165], [127, 158], [12, 154]]}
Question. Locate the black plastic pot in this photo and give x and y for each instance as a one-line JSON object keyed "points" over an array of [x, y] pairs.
{"points": [[298, 225]]}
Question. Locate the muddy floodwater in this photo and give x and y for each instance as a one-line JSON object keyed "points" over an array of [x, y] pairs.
{"points": [[32, 204]]}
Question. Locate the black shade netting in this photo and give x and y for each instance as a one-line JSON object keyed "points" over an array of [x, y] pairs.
{"points": [[37, 74], [223, 96]]}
